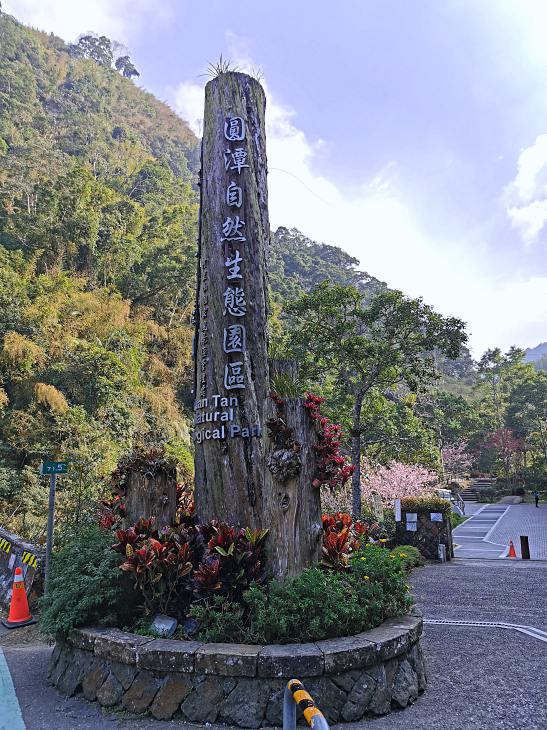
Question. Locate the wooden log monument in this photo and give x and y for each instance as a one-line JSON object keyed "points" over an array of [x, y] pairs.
{"points": [[238, 480]]}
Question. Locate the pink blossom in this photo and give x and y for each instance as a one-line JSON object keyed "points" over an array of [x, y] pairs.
{"points": [[396, 480], [456, 458]]}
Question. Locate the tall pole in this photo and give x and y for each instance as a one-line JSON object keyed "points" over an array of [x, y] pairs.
{"points": [[50, 523]]}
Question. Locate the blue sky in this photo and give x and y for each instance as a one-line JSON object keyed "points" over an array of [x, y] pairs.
{"points": [[412, 133]]}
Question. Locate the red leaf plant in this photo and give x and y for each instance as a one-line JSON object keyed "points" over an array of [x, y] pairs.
{"points": [[159, 563], [332, 468], [112, 511], [341, 538], [174, 566], [233, 560]]}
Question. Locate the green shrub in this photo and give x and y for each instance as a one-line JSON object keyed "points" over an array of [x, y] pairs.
{"points": [[410, 556], [487, 494], [221, 621], [425, 503], [456, 519], [86, 586], [312, 606]]}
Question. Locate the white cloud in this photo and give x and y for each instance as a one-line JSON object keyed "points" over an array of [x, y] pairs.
{"points": [[526, 196], [188, 100], [379, 227], [119, 19]]}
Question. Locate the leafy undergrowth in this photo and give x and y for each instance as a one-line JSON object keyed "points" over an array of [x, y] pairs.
{"points": [[315, 605], [456, 519], [214, 580]]}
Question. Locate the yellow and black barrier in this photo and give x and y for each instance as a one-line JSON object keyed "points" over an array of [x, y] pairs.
{"points": [[5, 545], [29, 559], [296, 695]]}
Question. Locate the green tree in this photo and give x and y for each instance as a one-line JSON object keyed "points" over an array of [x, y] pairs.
{"points": [[126, 67], [527, 411], [380, 346], [96, 48], [496, 375]]}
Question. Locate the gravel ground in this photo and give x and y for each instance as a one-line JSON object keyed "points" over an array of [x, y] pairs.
{"points": [[503, 590], [479, 679]]}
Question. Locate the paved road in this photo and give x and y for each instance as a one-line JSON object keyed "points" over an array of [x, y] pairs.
{"points": [[479, 679], [524, 519], [487, 532]]}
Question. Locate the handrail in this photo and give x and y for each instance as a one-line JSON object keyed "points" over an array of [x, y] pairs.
{"points": [[458, 500], [295, 694]]}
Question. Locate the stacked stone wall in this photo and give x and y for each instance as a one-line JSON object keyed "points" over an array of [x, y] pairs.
{"points": [[429, 534], [239, 684]]}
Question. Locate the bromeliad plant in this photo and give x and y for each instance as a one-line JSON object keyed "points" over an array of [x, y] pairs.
{"points": [[111, 511], [332, 469], [278, 430]]}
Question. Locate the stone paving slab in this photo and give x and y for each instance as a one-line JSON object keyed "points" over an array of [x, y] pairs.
{"points": [[524, 519], [473, 537]]}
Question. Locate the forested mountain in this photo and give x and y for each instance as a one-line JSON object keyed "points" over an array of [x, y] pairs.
{"points": [[98, 225], [537, 355], [297, 264]]}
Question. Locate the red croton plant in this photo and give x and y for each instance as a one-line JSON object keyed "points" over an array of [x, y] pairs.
{"points": [[175, 566], [341, 538]]}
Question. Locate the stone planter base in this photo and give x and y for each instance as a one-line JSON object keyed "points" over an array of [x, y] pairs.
{"points": [[239, 684]]}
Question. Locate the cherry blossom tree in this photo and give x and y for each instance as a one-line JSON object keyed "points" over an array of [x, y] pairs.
{"points": [[456, 459], [396, 480]]}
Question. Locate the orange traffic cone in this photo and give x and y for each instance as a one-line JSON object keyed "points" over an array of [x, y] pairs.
{"points": [[512, 553], [19, 614]]}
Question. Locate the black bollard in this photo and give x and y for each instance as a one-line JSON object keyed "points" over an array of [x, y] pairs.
{"points": [[524, 547]]}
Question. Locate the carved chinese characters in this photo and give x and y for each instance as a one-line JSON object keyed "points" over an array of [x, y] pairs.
{"points": [[234, 305], [231, 383]]}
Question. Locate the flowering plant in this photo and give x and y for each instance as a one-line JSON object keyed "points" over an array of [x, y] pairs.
{"points": [[396, 480], [332, 468], [456, 459]]}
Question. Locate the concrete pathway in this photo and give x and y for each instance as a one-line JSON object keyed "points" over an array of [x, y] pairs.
{"points": [[472, 537], [523, 519], [487, 532]]}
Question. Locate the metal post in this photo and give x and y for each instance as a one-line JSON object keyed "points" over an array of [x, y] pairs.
{"points": [[524, 547], [320, 723], [295, 693], [50, 520], [289, 711]]}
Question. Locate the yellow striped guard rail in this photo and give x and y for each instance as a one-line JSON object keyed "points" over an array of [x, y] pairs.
{"points": [[295, 694]]}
